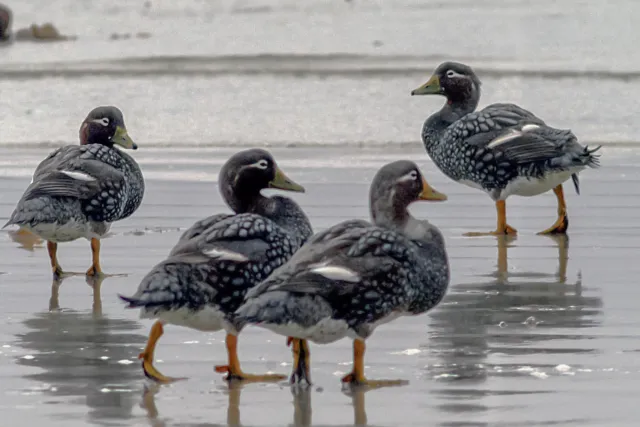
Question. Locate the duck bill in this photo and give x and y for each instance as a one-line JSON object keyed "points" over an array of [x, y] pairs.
{"points": [[282, 182], [430, 194], [122, 138], [432, 87]]}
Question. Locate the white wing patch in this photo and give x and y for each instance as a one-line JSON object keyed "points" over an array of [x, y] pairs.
{"points": [[334, 272], [529, 128], [511, 135], [80, 176], [225, 255]]}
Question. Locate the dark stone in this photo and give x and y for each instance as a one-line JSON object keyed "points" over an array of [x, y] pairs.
{"points": [[5, 22]]}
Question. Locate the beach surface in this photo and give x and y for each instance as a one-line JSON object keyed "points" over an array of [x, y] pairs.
{"points": [[534, 330]]}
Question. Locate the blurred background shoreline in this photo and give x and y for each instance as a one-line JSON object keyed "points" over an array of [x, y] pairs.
{"points": [[325, 72]]}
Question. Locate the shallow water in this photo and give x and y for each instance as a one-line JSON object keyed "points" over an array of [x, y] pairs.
{"points": [[534, 331]]}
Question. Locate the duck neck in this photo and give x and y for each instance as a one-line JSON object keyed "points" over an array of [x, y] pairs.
{"points": [[244, 202], [281, 210], [393, 214], [389, 214], [287, 214], [453, 110], [405, 223], [87, 137], [135, 183]]}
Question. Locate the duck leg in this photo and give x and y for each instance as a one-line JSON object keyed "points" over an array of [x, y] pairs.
{"points": [[562, 223], [52, 248], [233, 370], [502, 227], [95, 269], [147, 356], [301, 361], [356, 377]]}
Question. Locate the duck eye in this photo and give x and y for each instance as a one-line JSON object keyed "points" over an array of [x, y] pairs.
{"points": [[411, 176], [262, 164], [103, 121], [452, 74]]}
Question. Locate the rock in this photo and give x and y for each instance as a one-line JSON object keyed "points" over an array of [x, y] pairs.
{"points": [[5, 22]]}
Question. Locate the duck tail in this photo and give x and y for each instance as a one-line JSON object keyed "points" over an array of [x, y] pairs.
{"points": [[167, 285], [14, 220], [576, 182], [589, 157], [282, 308], [586, 157], [132, 302]]}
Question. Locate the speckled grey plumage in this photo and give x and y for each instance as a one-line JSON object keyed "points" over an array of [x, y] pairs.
{"points": [[462, 141], [189, 278], [198, 228], [281, 210], [201, 274], [113, 190], [401, 266]]}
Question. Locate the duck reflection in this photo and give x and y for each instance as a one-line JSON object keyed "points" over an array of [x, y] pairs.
{"points": [[149, 404], [302, 408], [302, 405], [501, 316], [232, 389], [84, 354]]}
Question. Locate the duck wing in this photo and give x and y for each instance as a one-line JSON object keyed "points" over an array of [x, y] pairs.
{"points": [[360, 276], [507, 136], [200, 227], [217, 266]]}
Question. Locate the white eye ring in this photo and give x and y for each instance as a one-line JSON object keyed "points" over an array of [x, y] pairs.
{"points": [[262, 164], [451, 74], [103, 121], [411, 176]]}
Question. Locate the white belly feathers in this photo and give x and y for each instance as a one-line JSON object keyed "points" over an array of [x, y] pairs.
{"points": [[69, 231]]}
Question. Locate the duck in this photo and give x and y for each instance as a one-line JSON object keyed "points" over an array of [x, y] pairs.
{"points": [[5, 22], [357, 275], [218, 259], [503, 149], [78, 191]]}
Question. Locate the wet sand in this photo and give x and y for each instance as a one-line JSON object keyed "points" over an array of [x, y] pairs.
{"points": [[534, 330]]}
